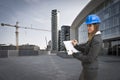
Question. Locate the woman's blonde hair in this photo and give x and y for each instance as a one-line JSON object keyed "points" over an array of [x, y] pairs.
{"points": [[90, 36]]}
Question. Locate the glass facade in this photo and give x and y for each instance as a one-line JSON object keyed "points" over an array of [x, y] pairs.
{"points": [[110, 16], [109, 12]]}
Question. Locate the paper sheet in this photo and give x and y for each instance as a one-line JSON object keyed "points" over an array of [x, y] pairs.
{"points": [[69, 47]]}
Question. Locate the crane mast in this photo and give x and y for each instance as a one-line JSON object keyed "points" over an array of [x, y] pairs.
{"points": [[17, 40]]}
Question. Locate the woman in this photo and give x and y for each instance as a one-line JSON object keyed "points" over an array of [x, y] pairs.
{"points": [[89, 51]]}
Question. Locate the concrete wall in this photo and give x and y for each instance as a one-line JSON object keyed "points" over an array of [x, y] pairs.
{"points": [[41, 52], [12, 53], [54, 52], [8, 53], [3, 53], [72, 34], [28, 53]]}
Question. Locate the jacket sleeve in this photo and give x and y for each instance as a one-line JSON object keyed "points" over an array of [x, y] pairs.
{"points": [[92, 54], [80, 47]]}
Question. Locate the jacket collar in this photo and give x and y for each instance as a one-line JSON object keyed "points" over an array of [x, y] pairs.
{"points": [[98, 32]]}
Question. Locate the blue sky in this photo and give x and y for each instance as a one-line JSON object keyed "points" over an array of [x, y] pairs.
{"points": [[35, 14]]}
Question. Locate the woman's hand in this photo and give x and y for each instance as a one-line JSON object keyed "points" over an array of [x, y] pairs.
{"points": [[74, 42]]}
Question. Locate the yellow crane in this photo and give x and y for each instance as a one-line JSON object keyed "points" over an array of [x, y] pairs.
{"points": [[16, 26]]}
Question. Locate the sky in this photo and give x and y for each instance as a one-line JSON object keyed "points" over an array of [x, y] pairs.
{"points": [[35, 14]]}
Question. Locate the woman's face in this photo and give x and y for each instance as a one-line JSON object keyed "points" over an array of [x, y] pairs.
{"points": [[91, 28]]}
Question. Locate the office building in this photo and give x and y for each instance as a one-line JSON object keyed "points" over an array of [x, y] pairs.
{"points": [[65, 36], [54, 26], [109, 12], [59, 40]]}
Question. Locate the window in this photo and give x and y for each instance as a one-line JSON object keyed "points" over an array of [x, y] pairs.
{"points": [[115, 1], [106, 13]]}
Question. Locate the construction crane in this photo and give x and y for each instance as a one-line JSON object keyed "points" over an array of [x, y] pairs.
{"points": [[17, 33]]}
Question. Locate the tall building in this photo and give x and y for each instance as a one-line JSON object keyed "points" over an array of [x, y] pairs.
{"points": [[59, 41], [54, 26], [109, 12], [65, 36]]}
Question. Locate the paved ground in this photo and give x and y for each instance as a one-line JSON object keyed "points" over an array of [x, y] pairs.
{"points": [[52, 67], [109, 68]]}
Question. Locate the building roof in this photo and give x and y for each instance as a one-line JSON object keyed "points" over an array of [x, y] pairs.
{"points": [[86, 10]]}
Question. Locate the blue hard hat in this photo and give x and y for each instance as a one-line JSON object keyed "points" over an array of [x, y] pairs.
{"points": [[92, 19]]}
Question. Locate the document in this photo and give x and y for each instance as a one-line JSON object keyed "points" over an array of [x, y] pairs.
{"points": [[69, 47]]}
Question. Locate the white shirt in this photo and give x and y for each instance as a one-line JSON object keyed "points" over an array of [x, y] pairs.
{"points": [[98, 32]]}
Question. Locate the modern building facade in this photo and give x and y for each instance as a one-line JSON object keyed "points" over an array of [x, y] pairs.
{"points": [[64, 36], [54, 26], [59, 40], [109, 12]]}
